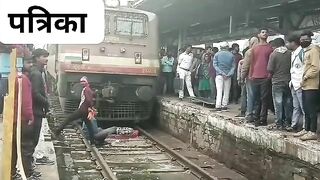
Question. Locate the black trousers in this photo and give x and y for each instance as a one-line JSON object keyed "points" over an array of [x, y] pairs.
{"points": [[26, 148], [36, 131], [310, 101], [261, 95], [168, 81], [235, 91], [78, 114]]}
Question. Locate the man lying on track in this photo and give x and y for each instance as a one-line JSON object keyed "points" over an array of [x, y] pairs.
{"points": [[112, 132]]}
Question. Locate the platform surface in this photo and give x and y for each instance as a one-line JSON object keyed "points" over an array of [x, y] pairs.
{"points": [[49, 172]]}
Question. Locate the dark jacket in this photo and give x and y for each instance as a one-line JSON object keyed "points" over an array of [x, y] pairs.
{"points": [[279, 66], [39, 96], [86, 99]]}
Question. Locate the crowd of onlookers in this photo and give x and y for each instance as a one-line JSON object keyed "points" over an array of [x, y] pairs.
{"points": [[281, 76]]}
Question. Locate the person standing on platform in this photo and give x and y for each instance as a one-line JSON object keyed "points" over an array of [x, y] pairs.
{"points": [[208, 50], [196, 61], [245, 72], [184, 71], [297, 65], [39, 96], [27, 122], [224, 64], [85, 106], [40, 150], [235, 88], [279, 67], [212, 73], [310, 85], [259, 84], [167, 62], [242, 84], [202, 74]]}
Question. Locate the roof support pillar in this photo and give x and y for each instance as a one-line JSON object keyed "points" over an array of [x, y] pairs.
{"points": [[230, 24], [181, 37]]}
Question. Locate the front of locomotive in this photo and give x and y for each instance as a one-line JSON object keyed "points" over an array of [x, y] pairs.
{"points": [[122, 70]]}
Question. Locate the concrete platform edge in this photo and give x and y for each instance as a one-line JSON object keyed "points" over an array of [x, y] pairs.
{"points": [[275, 141]]}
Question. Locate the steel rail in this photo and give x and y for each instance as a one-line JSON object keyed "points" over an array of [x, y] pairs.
{"points": [[194, 167], [105, 169]]}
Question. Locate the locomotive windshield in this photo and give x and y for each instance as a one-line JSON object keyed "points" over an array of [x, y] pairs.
{"points": [[130, 25]]}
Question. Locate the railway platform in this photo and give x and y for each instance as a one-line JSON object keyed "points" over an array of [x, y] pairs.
{"points": [[256, 152], [49, 172]]}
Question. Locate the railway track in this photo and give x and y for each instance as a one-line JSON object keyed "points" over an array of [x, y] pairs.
{"points": [[141, 158]]}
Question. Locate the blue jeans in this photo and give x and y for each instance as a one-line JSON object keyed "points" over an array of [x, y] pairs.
{"points": [[243, 98], [252, 102], [298, 112], [257, 103], [282, 101], [250, 98]]}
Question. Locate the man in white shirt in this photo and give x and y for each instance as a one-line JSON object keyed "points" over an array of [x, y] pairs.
{"points": [[183, 71], [295, 83]]}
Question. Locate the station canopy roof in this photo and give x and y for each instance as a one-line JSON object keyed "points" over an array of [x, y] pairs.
{"points": [[185, 13], [175, 14]]}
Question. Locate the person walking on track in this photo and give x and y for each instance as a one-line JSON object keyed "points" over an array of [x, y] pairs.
{"points": [[85, 106]]}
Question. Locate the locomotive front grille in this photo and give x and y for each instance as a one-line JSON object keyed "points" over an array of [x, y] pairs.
{"points": [[117, 111], [124, 111]]}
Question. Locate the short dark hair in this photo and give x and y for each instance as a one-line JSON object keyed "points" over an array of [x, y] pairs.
{"points": [[234, 45], [245, 50], [215, 49], [307, 33], [294, 38], [40, 52], [278, 42], [263, 28]]}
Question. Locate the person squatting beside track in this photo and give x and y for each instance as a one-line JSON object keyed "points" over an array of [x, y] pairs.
{"points": [[85, 106]]}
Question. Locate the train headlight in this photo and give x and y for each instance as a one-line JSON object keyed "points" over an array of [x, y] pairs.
{"points": [[138, 58], [85, 54], [112, 3], [122, 50], [144, 93], [102, 49]]}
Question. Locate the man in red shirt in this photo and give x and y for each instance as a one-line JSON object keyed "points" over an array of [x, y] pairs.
{"points": [[259, 82], [85, 106], [27, 121]]}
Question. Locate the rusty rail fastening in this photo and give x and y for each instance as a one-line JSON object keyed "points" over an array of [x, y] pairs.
{"points": [[105, 169], [200, 171]]}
